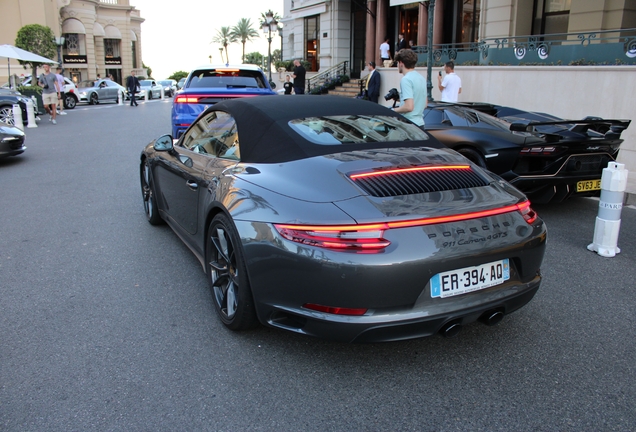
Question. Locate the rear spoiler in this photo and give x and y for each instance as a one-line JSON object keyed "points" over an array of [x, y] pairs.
{"points": [[611, 128]]}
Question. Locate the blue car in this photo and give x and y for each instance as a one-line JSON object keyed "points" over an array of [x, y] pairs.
{"points": [[208, 85]]}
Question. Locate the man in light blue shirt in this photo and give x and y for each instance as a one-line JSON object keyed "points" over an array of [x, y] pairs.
{"points": [[412, 88]]}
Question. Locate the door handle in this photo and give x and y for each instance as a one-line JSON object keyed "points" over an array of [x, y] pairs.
{"points": [[192, 184]]}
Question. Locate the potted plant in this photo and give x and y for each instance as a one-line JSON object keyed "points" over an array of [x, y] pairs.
{"points": [[36, 91]]}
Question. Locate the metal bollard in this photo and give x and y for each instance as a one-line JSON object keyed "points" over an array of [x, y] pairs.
{"points": [[162, 93], [17, 117], [145, 96], [120, 97], [31, 115], [608, 221]]}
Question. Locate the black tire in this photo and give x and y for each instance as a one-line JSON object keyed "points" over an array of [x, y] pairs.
{"points": [[69, 101], [148, 195], [227, 275], [474, 156], [94, 99]]}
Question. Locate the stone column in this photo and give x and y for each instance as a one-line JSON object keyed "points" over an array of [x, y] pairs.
{"points": [[371, 52], [382, 10], [438, 25], [422, 25]]}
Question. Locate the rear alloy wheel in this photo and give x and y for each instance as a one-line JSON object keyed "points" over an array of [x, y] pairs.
{"points": [[148, 195], [227, 275], [6, 115], [94, 99], [473, 156], [69, 101]]}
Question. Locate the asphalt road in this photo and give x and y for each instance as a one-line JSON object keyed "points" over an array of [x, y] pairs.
{"points": [[107, 323]]}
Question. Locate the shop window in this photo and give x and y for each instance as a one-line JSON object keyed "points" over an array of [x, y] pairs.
{"points": [[312, 41]]}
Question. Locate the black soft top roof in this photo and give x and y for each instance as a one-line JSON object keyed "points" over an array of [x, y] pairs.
{"points": [[266, 136]]}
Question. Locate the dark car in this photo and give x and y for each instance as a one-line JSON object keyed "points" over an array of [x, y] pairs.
{"points": [[547, 158], [11, 140], [7, 99], [338, 218], [208, 85]]}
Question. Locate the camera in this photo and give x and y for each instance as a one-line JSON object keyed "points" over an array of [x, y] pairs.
{"points": [[440, 73], [393, 94]]}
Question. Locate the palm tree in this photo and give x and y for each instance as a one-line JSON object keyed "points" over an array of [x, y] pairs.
{"points": [[224, 37], [244, 32]]}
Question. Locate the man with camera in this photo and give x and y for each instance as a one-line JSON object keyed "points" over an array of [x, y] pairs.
{"points": [[50, 92], [412, 88]]}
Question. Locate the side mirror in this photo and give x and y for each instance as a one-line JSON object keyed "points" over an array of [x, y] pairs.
{"points": [[272, 85], [163, 143]]}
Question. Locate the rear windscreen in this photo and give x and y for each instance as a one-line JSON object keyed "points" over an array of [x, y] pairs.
{"points": [[232, 78]]}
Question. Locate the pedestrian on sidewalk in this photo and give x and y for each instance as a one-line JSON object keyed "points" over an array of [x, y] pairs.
{"points": [[132, 84], [451, 86], [50, 92], [60, 81], [299, 77]]}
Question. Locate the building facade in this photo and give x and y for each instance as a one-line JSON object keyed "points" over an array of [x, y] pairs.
{"points": [[328, 32], [99, 36]]}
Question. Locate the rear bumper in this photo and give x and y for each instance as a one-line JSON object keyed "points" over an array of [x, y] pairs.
{"points": [[391, 327]]}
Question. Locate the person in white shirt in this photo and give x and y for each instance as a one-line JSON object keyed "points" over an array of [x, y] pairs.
{"points": [[451, 86], [385, 53]]}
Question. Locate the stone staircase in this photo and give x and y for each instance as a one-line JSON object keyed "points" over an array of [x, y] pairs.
{"points": [[349, 89]]}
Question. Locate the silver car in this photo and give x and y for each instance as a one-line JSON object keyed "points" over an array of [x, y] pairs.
{"points": [[151, 88], [96, 91]]}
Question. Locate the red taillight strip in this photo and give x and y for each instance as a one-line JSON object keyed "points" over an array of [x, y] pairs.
{"points": [[194, 98], [523, 208], [335, 310], [403, 170]]}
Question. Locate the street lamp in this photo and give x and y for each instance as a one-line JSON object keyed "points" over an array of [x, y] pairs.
{"points": [[210, 56], [429, 57], [270, 25], [221, 52], [59, 42]]}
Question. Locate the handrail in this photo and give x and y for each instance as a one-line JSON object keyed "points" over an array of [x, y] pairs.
{"points": [[325, 76], [598, 47]]}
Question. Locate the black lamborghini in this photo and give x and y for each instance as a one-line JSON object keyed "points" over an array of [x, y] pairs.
{"points": [[548, 158]]}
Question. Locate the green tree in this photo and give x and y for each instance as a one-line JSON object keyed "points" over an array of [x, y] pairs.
{"points": [[37, 39], [148, 69], [178, 75], [224, 37], [255, 58], [276, 56], [243, 31]]}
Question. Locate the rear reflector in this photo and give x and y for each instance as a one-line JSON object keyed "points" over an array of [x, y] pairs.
{"points": [[335, 310]]}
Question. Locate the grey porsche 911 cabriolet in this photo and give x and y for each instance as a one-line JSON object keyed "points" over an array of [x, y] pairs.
{"points": [[341, 219]]}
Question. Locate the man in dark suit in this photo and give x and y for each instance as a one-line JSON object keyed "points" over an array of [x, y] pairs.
{"points": [[401, 43], [372, 85], [132, 83]]}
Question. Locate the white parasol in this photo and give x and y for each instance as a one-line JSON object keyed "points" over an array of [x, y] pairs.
{"points": [[12, 52]]}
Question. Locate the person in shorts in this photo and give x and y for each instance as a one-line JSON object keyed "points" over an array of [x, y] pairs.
{"points": [[60, 81], [50, 92]]}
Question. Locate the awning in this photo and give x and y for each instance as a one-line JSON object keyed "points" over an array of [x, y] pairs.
{"points": [[73, 25], [133, 36], [112, 32], [400, 2], [98, 30]]}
